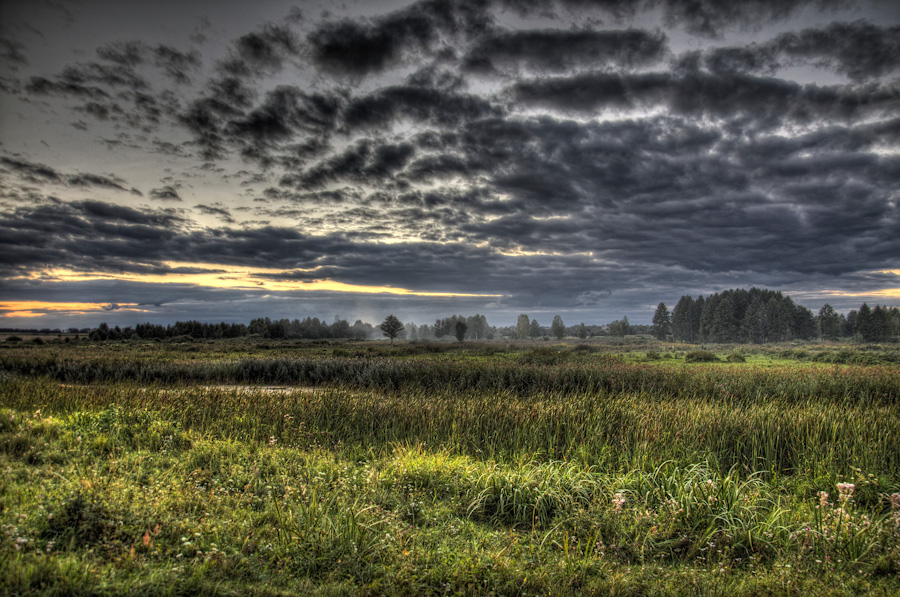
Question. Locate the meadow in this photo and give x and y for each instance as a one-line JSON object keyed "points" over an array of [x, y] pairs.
{"points": [[528, 468]]}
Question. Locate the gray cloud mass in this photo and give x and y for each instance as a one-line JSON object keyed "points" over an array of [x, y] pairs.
{"points": [[591, 157]]}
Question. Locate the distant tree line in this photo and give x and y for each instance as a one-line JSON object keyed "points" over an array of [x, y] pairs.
{"points": [[527, 328], [460, 327], [732, 316], [760, 316], [474, 327], [309, 328]]}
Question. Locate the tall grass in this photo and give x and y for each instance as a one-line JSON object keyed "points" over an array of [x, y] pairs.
{"points": [[548, 472], [617, 430], [736, 385]]}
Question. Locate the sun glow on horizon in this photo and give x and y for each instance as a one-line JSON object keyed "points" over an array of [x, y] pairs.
{"points": [[41, 308], [238, 277]]}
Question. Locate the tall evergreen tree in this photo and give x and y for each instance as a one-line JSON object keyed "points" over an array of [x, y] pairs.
{"points": [[662, 322], [866, 326], [696, 315], [755, 325], [682, 330], [828, 323]]}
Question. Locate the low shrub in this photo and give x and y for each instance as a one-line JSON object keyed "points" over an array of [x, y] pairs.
{"points": [[701, 356]]}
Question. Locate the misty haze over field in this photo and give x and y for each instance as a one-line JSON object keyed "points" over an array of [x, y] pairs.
{"points": [[209, 160]]}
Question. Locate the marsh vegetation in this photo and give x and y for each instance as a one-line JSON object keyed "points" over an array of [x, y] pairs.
{"points": [[249, 467]]}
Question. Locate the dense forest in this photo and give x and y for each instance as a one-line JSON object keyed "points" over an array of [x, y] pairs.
{"points": [[759, 316]]}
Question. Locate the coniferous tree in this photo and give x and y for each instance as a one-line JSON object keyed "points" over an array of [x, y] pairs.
{"points": [[866, 326], [696, 315], [662, 322], [828, 323], [682, 316], [755, 325]]}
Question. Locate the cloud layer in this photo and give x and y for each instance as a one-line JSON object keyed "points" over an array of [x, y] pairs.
{"points": [[580, 156]]}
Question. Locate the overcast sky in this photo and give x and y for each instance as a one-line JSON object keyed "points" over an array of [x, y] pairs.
{"points": [[590, 158]]}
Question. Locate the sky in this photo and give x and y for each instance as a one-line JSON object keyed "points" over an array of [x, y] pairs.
{"points": [[226, 160]]}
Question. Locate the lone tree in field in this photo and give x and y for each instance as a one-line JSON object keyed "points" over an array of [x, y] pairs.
{"points": [[558, 328], [461, 329], [391, 327]]}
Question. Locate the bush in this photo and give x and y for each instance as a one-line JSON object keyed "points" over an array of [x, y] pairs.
{"points": [[736, 357], [542, 356], [701, 356], [585, 348]]}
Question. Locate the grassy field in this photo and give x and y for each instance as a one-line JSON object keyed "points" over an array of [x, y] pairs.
{"points": [[608, 467]]}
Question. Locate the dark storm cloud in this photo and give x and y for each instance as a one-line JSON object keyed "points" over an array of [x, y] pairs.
{"points": [[177, 65], [44, 86], [37, 173], [105, 88], [768, 101], [557, 50], [205, 119], [12, 52], [383, 107], [286, 112], [266, 49], [356, 47], [126, 53], [859, 50], [365, 161], [165, 193], [712, 17], [83, 235], [117, 75], [219, 211], [709, 18], [749, 59]]}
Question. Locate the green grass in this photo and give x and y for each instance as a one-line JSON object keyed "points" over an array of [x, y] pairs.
{"points": [[417, 470]]}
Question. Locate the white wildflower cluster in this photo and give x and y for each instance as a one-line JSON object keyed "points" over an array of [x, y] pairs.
{"points": [[895, 509]]}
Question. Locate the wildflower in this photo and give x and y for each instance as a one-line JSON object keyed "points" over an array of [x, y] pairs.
{"points": [[823, 499], [845, 490], [272, 440], [895, 501], [619, 501]]}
